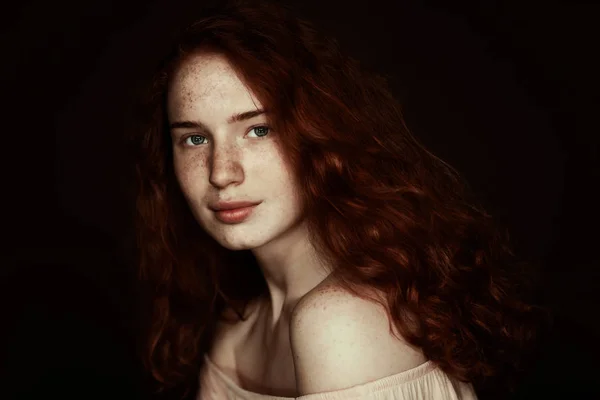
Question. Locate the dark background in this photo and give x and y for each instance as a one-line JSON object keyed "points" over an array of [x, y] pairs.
{"points": [[504, 91]]}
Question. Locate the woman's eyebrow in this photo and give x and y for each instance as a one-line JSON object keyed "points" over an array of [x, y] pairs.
{"points": [[233, 119]]}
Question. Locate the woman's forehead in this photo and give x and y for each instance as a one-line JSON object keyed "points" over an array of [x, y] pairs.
{"points": [[207, 83], [203, 72]]}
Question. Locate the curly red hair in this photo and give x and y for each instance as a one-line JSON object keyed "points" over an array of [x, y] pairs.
{"points": [[385, 212]]}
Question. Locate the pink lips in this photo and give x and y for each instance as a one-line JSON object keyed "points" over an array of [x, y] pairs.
{"points": [[233, 212]]}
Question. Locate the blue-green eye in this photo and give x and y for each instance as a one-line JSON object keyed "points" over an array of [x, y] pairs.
{"points": [[195, 140], [260, 131]]}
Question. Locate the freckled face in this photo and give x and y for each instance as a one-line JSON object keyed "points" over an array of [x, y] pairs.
{"points": [[216, 159]]}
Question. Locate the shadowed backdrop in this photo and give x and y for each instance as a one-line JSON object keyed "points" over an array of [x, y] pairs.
{"points": [[503, 91]]}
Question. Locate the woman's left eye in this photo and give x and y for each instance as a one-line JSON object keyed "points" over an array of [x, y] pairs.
{"points": [[260, 131]]}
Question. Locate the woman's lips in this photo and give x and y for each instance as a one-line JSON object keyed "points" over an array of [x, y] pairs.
{"points": [[234, 216]]}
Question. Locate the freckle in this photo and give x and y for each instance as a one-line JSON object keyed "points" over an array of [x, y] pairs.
{"points": [[189, 96]]}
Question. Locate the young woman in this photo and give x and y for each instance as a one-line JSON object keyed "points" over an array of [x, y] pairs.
{"points": [[298, 241]]}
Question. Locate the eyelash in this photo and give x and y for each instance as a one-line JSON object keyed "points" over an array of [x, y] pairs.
{"points": [[184, 138]]}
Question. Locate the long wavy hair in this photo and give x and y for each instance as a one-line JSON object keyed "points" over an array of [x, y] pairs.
{"points": [[382, 210]]}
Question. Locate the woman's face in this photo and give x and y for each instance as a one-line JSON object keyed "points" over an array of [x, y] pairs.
{"points": [[218, 159]]}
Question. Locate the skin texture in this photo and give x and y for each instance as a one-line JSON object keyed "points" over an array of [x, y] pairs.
{"points": [[339, 341], [235, 162], [230, 161]]}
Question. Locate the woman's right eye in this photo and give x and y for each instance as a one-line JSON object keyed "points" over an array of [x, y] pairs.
{"points": [[194, 140]]}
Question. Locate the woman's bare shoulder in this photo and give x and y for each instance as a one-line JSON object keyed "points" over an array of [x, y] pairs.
{"points": [[340, 340]]}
